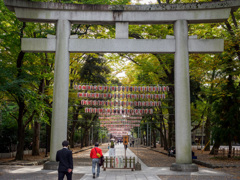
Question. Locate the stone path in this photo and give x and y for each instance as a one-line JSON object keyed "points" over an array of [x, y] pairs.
{"points": [[148, 159]]}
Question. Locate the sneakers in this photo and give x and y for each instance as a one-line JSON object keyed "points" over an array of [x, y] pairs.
{"points": [[93, 175]]}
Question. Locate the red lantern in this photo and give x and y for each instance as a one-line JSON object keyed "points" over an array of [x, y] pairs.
{"points": [[84, 87], [139, 103], [150, 111], [146, 111], [164, 88], [154, 88], [163, 96], [105, 88], [82, 102], [80, 95]]}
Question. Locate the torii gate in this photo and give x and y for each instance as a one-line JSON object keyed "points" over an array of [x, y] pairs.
{"points": [[62, 44]]}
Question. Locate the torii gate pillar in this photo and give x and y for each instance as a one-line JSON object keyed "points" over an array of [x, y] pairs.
{"points": [[182, 100], [61, 84]]}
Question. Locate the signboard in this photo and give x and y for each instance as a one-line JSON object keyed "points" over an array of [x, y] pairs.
{"points": [[125, 140]]}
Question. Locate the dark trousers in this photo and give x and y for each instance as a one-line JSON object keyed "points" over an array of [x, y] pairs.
{"points": [[61, 175]]}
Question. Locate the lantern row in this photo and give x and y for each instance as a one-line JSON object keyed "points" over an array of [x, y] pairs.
{"points": [[122, 88], [125, 122], [119, 129], [121, 117], [118, 132], [121, 103], [119, 111], [119, 125], [121, 96]]}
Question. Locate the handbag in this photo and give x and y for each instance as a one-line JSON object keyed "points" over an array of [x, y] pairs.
{"points": [[98, 155], [101, 160]]}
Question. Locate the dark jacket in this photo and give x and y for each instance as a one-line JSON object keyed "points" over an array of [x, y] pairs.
{"points": [[64, 156]]}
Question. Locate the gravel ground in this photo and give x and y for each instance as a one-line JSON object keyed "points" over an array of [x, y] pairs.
{"points": [[156, 159]]}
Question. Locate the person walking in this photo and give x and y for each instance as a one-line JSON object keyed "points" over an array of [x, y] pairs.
{"points": [[95, 154], [64, 157]]}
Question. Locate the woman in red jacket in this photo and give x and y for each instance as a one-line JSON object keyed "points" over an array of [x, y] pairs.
{"points": [[95, 154]]}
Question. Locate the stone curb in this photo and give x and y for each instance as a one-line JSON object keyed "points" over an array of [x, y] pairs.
{"points": [[35, 163], [81, 150], [198, 162]]}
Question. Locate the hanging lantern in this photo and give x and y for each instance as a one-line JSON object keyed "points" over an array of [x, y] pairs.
{"points": [[105, 95], [154, 88], [119, 88], [100, 88], [95, 88], [84, 87], [97, 95], [147, 103], [150, 111], [80, 95], [148, 96], [163, 88], [163, 96], [112, 88], [139, 103], [105, 88], [87, 87], [82, 102], [132, 88], [146, 111]]}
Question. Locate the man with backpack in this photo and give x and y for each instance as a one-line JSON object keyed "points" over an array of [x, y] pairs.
{"points": [[96, 154]]}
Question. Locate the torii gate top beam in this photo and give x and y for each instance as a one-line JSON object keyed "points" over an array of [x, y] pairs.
{"points": [[107, 14]]}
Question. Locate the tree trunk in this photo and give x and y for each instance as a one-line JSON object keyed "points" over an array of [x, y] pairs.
{"points": [[215, 146], [161, 135], [171, 130], [36, 139], [229, 149], [21, 133], [164, 139], [72, 132], [207, 134], [154, 138]]}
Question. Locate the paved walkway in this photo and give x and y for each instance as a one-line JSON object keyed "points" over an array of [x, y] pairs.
{"points": [[84, 172]]}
